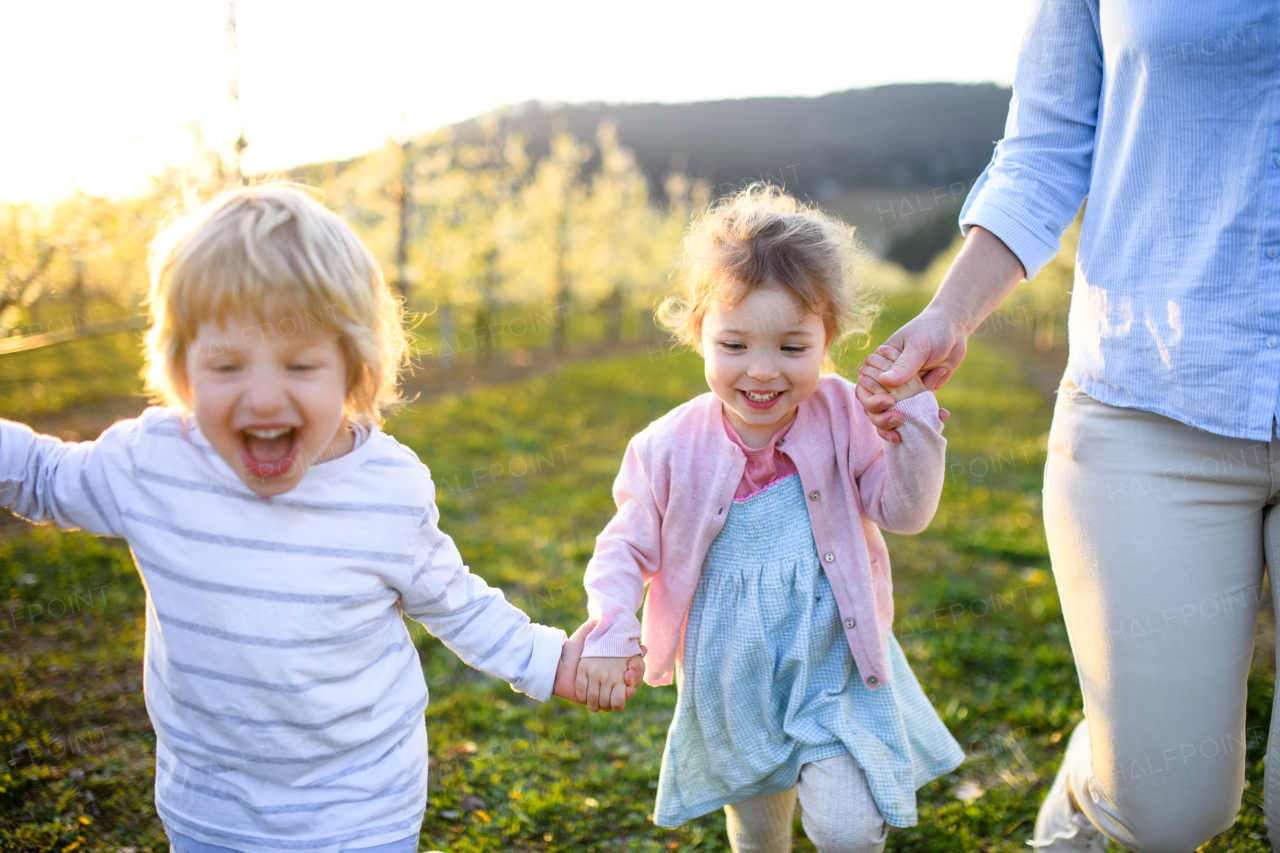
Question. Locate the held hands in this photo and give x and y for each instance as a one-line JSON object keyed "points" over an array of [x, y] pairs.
{"points": [[602, 683], [933, 343], [878, 395], [575, 683], [872, 370]]}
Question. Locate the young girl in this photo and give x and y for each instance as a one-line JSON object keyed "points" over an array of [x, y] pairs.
{"points": [[280, 536], [751, 512]]}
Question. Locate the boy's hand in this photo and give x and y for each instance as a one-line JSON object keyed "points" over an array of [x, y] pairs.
{"points": [[567, 673]]}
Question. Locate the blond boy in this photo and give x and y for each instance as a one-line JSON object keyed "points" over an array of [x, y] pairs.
{"points": [[280, 535]]}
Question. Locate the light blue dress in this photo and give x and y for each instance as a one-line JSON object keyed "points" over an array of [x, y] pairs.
{"points": [[768, 683]]}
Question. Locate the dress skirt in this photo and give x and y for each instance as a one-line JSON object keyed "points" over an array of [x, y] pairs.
{"points": [[767, 682]]}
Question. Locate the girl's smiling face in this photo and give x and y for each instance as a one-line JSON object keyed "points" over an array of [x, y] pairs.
{"points": [[271, 404], [763, 358]]}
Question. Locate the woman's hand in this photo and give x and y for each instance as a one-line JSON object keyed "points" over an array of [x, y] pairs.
{"points": [[934, 342], [929, 346]]}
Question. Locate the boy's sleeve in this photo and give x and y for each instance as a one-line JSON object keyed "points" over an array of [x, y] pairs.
{"points": [[628, 553], [475, 620], [45, 479], [900, 483]]}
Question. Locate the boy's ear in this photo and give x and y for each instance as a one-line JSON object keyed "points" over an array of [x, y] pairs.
{"points": [[182, 388], [180, 381]]}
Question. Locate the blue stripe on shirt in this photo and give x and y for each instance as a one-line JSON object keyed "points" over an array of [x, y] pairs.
{"points": [[265, 545]]}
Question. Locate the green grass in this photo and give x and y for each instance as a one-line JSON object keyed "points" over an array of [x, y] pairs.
{"points": [[524, 473], [77, 373]]}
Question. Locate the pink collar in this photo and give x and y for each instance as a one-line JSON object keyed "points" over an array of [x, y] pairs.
{"points": [[765, 465]]}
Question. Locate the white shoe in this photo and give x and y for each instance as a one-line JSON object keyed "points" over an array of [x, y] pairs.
{"points": [[1059, 827]]}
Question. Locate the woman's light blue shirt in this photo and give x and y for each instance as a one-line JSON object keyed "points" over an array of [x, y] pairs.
{"points": [[1165, 115]]}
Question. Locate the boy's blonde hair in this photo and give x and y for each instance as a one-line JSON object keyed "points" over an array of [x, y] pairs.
{"points": [[272, 250], [761, 237]]}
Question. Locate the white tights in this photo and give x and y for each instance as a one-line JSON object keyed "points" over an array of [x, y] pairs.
{"points": [[836, 808]]}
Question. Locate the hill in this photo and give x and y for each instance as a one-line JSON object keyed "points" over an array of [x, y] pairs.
{"points": [[860, 152], [886, 137]]}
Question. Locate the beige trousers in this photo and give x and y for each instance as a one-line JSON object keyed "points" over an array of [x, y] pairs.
{"points": [[836, 808], [1158, 532]]}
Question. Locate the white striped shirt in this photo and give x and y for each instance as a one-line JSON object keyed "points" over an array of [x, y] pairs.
{"points": [[285, 693]]}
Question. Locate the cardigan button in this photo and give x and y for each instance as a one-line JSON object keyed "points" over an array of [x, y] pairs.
{"points": [[872, 680], [829, 557], [780, 442], [849, 623], [814, 495]]}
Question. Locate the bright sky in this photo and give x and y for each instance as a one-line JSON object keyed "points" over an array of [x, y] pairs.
{"points": [[99, 95]]}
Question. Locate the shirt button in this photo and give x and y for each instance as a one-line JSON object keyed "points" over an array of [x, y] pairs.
{"points": [[849, 623], [1278, 159], [1272, 341], [829, 557], [814, 495], [1272, 251], [872, 680]]}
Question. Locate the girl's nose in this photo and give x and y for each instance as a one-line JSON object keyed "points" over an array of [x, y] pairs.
{"points": [[762, 369]]}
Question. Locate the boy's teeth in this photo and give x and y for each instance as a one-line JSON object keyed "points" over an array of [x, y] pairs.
{"points": [[267, 433]]}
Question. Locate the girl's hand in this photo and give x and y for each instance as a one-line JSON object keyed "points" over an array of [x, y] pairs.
{"points": [[601, 683], [872, 371], [877, 397], [567, 671]]}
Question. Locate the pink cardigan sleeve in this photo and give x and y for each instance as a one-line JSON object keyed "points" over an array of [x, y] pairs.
{"points": [[900, 484], [628, 553]]}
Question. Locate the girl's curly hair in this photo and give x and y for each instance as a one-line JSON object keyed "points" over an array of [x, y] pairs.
{"points": [[761, 237]]}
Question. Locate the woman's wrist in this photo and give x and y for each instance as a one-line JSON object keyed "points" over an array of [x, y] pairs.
{"points": [[979, 279]]}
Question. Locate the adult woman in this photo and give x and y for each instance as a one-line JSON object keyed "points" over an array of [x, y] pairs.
{"points": [[1163, 464]]}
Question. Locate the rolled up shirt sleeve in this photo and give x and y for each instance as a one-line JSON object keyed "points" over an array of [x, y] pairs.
{"points": [[1040, 172]]}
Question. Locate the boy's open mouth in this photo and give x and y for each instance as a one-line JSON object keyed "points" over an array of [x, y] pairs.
{"points": [[761, 399], [269, 451]]}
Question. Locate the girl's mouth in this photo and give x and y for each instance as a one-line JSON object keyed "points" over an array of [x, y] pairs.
{"points": [[761, 399], [269, 452]]}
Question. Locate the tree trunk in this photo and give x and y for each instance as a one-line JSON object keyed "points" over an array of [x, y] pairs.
{"points": [[613, 314], [647, 328], [79, 304], [403, 190], [564, 292], [447, 341], [489, 308]]}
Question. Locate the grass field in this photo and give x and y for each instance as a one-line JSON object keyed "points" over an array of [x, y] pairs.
{"points": [[523, 473]]}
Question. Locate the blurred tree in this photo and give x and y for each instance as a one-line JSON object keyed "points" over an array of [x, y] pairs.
{"points": [[620, 243], [916, 249], [25, 255], [469, 192], [554, 216]]}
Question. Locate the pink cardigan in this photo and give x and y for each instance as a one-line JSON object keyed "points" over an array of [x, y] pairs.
{"points": [[678, 480]]}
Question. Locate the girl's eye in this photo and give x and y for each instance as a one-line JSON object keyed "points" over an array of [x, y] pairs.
{"points": [[733, 346], [794, 350], [302, 367], [225, 367]]}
